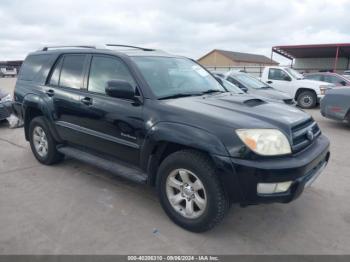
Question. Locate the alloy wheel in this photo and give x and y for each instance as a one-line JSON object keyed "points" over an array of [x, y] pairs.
{"points": [[186, 193]]}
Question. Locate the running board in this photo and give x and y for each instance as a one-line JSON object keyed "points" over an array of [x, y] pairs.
{"points": [[114, 166]]}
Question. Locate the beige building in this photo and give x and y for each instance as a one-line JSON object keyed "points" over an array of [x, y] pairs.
{"points": [[221, 58]]}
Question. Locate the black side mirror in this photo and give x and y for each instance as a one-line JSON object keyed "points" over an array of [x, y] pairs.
{"points": [[343, 83], [120, 89], [287, 78]]}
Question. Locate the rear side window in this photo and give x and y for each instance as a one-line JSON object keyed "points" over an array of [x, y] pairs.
{"points": [[32, 65], [72, 71]]}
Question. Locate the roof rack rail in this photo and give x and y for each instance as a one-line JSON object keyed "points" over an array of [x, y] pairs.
{"points": [[46, 48], [131, 46]]}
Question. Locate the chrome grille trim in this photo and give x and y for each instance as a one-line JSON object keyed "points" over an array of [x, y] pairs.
{"points": [[300, 138]]}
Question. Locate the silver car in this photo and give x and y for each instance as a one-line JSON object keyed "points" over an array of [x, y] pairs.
{"points": [[254, 86], [336, 104]]}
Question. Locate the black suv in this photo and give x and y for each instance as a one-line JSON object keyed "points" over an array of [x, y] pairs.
{"points": [[164, 120]]}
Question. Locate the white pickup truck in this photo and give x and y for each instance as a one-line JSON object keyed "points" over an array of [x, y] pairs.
{"points": [[307, 93]]}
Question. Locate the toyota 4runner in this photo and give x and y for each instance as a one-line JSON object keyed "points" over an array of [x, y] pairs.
{"points": [[164, 120]]}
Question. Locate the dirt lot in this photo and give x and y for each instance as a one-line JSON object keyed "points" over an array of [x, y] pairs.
{"points": [[76, 208]]}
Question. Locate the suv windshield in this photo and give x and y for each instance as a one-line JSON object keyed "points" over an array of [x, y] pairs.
{"points": [[176, 77], [250, 82], [294, 73]]}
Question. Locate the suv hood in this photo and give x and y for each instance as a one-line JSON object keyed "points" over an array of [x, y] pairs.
{"points": [[234, 111]]}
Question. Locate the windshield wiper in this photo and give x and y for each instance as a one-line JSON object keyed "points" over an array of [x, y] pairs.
{"points": [[210, 91], [179, 95]]}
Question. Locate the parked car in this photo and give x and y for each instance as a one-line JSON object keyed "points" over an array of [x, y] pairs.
{"points": [[8, 72], [336, 104], [347, 72], [228, 85], [5, 104], [333, 78], [235, 89], [306, 92], [254, 86], [164, 120]]}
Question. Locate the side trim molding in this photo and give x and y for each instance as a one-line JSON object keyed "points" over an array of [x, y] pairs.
{"points": [[97, 134]]}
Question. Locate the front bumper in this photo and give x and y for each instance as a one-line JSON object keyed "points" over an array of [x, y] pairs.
{"points": [[5, 110], [319, 98], [301, 168]]}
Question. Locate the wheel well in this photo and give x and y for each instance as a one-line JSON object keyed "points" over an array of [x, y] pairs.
{"points": [[300, 90], [30, 113], [159, 153], [347, 115]]}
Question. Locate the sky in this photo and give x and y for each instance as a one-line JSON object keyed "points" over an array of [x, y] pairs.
{"points": [[185, 27]]}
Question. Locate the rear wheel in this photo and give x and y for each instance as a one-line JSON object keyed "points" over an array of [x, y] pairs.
{"points": [[42, 143], [307, 99], [190, 191]]}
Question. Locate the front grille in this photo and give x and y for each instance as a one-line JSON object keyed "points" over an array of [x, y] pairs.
{"points": [[289, 101], [301, 138]]}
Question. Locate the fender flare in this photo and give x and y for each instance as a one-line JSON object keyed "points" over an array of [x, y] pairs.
{"points": [[193, 137], [36, 102], [301, 89], [182, 134]]}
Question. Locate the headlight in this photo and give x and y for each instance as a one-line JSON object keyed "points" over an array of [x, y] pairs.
{"points": [[323, 89], [267, 142], [6, 98]]}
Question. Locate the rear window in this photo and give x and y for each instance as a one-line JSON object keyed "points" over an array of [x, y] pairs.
{"points": [[32, 66]]}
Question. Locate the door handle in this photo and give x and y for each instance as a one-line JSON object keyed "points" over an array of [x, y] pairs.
{"points": [[86, 101], [50, 92], [269, 82]]}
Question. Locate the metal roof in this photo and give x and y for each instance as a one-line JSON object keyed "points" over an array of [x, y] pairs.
{"points": [[313, 51], [243, 57]]}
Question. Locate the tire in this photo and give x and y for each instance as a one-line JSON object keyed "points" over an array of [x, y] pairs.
{"points": [[307, 99], [51, 156], [198, 167], [347, 119]]}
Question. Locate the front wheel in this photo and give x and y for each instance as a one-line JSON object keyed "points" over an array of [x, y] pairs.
{"points": [[190, 191], [307, 99]]}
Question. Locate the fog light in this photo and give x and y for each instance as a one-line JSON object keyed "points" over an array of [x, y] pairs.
{"points": [[271, 188], [283, 187]]}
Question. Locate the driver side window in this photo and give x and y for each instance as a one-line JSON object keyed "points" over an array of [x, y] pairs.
{"points": [[277, 74], [104, 69]]}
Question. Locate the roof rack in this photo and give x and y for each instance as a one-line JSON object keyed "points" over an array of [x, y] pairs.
{"points": [[131, 46], [46, 48]]}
